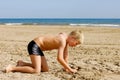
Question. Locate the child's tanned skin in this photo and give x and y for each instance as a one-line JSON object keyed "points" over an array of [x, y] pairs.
{"points": [[56, 42], [50, 42]]}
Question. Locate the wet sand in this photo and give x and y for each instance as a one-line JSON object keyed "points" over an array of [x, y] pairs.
{"points": [[97, 59]]}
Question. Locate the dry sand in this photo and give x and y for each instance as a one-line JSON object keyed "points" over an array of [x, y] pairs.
{"points": [[97, 59]]}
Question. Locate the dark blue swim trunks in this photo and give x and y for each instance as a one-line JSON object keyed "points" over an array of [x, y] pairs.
{"points": [[34, 49]]}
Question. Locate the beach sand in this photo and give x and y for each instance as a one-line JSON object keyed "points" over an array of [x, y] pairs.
{"points": [[97, 59]]}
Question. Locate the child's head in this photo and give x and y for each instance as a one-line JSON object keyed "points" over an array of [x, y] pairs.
{"points": [[75, 37]]}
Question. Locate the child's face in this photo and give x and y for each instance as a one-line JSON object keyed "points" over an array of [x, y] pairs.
{"points": [[73, 42]]}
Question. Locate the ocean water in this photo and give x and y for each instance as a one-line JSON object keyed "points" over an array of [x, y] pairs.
{"points": [[59, 21]]}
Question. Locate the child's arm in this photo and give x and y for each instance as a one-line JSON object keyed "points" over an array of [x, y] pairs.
{"points": [[66, 55], [60, 58]]}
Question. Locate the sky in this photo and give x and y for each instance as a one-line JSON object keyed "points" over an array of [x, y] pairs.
{"points": [[59, 9]]}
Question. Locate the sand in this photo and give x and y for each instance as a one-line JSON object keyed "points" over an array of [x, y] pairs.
{"points": [[97, 59]]}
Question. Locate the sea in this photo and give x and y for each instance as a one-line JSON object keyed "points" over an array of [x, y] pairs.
{"points": [[61, 21]]}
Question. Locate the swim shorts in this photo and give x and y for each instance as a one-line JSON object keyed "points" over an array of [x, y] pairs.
{"points": [[34, 49]]}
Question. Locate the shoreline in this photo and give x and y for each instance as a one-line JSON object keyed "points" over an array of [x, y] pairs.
{"points": [[71, 24]]}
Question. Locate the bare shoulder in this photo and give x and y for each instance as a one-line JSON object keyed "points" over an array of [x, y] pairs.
{"points": [[63, 34], [63, 37]]}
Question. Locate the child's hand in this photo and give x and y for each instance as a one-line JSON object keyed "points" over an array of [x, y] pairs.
{"points": [[73, 71]]}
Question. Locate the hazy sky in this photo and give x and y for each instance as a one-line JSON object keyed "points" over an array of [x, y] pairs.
{"points": [[59, 8]]}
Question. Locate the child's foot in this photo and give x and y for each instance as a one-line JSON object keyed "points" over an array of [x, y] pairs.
{"points": [[20, 63], [8, 68]]}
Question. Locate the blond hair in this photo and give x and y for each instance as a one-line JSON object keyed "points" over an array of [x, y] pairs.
{"points": [[78, 35]]}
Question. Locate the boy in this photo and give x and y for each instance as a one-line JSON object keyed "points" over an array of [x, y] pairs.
{"points": [[47, 42]]}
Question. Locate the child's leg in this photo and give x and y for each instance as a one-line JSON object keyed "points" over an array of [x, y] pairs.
{"points": [[44, 65], [22, 63], [36, 63]]}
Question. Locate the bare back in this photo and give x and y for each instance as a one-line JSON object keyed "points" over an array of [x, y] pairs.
{"points": [[49, 42]]}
